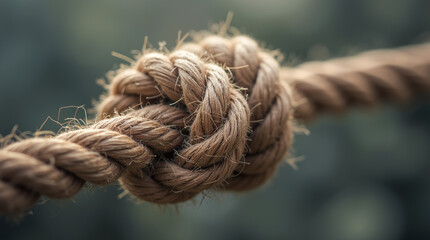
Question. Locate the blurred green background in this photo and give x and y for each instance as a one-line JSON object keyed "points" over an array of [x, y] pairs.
{"points": [[366, 175]]}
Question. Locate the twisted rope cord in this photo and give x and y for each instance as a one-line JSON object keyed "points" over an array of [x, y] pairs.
{"points": [[190, 131], [366, 80]]}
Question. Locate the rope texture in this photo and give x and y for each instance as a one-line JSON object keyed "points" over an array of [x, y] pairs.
{"points": [[365, 80], [193, 129]]}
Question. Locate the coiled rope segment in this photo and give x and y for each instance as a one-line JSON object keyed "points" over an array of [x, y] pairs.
{"points": [[196, 127]]}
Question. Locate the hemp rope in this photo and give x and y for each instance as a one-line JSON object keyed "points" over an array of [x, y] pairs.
{"points": [[193, 130]]}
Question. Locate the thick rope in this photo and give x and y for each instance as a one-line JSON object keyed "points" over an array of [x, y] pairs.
{"points": [[193, 130], [366, 80]]}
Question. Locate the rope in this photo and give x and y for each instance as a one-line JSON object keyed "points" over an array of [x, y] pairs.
{"points": [[364, 80], [194, 130]]}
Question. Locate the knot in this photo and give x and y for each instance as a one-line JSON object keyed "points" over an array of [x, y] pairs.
{"points": [[215, 120], [190, 129], [187, 77]]}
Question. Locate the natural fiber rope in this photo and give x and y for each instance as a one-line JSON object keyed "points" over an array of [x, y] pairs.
{"points": [[193, 130], [364, 80]]}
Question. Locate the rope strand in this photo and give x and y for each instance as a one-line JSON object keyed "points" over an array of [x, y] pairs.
{"points": [[196, 128], [367, 80]]}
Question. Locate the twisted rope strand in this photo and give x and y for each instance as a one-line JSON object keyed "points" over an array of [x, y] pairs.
{"points": [[58, 168], [365, 80]]}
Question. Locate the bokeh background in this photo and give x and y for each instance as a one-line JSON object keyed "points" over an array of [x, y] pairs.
{"points": [[365, 175]]}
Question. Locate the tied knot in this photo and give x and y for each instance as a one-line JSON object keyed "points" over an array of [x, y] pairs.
{"points": [[215, 116], [193, 125], [212, 117]]}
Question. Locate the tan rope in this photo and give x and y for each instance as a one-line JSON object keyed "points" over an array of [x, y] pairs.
{"points": [[193, 130], [364, 80]]}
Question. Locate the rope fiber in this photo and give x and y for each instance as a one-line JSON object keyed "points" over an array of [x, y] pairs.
{"points": [[213, 114]]}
